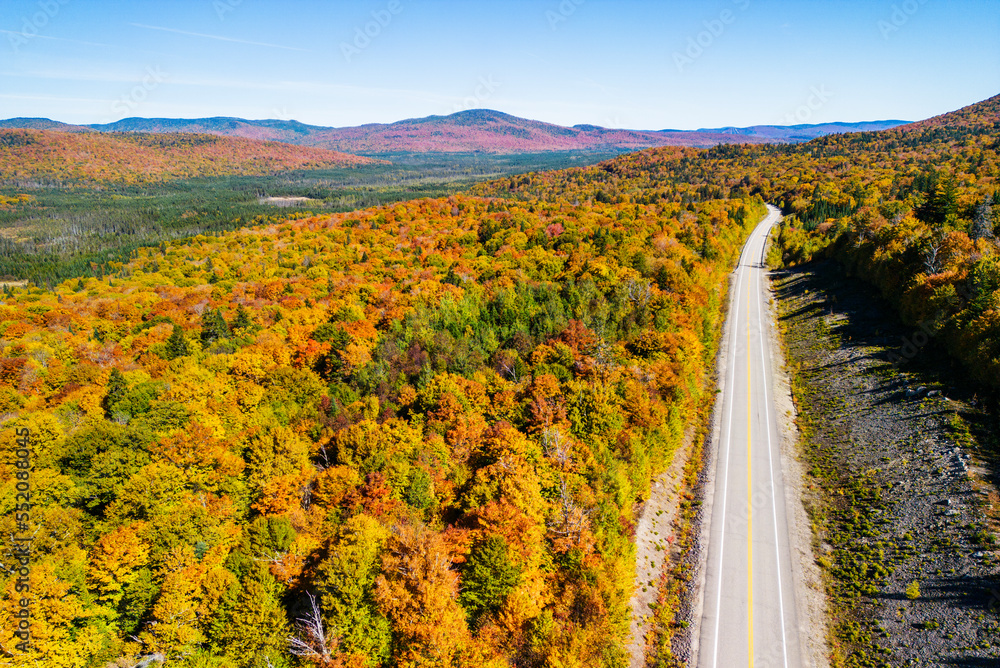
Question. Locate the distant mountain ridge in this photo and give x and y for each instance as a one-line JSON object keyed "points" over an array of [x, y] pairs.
{"points": [[805, 132], [473, 130], [34, 155]]}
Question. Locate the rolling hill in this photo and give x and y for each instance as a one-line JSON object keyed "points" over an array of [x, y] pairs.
{"points": [[462, 132], [981, 113], [57, 157]]}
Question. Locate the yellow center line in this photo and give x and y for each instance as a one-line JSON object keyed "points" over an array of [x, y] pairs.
{"points": [[749, 486]]}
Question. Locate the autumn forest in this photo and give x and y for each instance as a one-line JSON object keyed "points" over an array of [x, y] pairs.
{"points": [[415, 429]]}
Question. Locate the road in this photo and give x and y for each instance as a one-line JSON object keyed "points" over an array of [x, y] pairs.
{"points": [[749, 613]]}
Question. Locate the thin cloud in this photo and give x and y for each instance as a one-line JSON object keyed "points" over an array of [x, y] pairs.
{"points": [[57, 39], [218, 37]]}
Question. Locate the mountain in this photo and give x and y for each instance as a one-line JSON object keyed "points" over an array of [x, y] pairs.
{"points": [[805, 132], [981, 113], [465, 131], [54, 156], [462, 132], [41, 124]]}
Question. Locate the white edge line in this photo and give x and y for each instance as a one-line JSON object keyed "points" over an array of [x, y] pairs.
{"points": [[728, 441], [770, 461]]}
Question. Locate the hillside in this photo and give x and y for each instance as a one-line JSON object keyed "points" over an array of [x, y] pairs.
{"points": [[980, 114], [53, 157], [466, 131]]}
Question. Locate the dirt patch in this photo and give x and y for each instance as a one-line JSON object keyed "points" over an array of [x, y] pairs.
{"points": [[655, 535], [896, 482], [285, 202]]}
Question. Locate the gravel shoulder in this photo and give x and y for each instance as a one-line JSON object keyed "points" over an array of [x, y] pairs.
{"points": [[899, 465], [655, 536], [810, 592]]}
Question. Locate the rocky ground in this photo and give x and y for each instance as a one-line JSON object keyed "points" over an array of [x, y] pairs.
{"points": [[654, 537], [901, 485]]}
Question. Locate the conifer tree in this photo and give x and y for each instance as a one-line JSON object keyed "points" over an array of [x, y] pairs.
{"points": [[117, 387], [177, 345]]}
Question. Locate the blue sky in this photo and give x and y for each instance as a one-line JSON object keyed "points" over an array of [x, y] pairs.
{"points": [[616, 63]]}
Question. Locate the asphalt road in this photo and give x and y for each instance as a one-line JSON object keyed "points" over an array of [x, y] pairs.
{"points": [[749, 616]]}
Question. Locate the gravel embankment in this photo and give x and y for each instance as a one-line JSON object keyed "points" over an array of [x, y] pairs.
{"points": [[901, 465]]}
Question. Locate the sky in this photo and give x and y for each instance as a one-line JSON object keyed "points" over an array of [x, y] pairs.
{"points": [[634, 64]]}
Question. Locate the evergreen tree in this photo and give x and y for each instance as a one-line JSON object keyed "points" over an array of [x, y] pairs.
{"points": [[242, 320], [942, 201], [177, 345], [213, 327], [117, 387]]}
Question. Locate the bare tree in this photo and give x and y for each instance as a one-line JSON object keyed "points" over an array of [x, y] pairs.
{"points": [[557, 446], [932, 257], [982, 223], [310, 641], [571, 520]]}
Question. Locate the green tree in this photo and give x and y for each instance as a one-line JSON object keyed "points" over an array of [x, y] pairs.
{"points": [[115, 391], [420, 492], [213, 326], [345, 580], [177, 345], [243, 320], [488, 577], [136, 601], [255, 630]]}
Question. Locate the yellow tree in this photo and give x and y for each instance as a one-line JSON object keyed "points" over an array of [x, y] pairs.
{"points": [[418, 592], [115, 560]]}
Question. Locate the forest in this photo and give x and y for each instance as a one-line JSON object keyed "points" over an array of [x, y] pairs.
{"points": [[50, 232], [418, 434], [415, 434]]}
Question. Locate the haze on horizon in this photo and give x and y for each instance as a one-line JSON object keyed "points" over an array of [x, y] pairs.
{"points": [[626, 63]]}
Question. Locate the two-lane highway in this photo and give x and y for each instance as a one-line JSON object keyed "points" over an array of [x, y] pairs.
{"points": [[749, 615]]}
